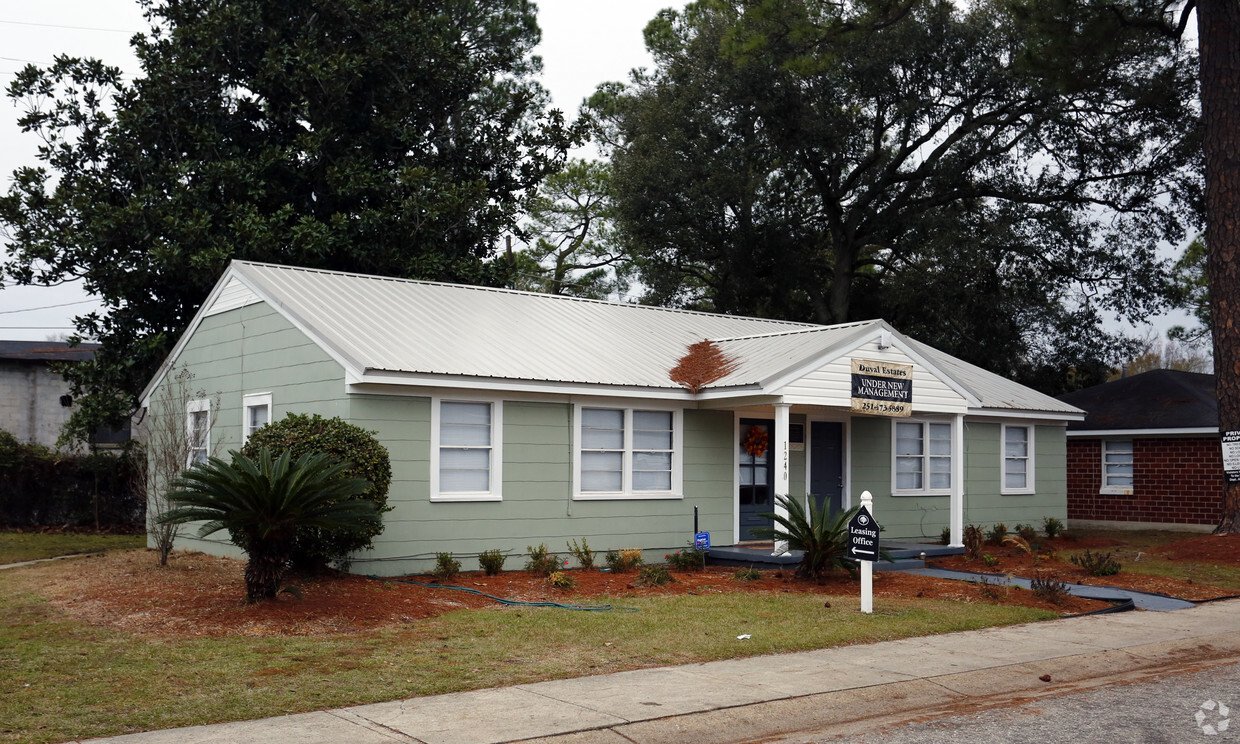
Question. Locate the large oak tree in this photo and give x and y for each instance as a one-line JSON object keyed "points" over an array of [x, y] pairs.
{"points": [[364, 135], [835, 161]]}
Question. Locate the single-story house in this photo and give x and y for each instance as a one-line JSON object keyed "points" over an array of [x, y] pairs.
{"points": [[514, 418], [1147, 455]]}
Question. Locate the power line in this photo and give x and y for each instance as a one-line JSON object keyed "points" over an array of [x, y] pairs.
{"points": [[75, 28], [36, 328], [47, 307]]}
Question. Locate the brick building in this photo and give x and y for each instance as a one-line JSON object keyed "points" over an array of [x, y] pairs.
{"points": [[1147, 453]]}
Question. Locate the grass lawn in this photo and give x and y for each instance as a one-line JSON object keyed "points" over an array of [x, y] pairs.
{"points": [[1136, 558], [63, 679], [16, 547]]}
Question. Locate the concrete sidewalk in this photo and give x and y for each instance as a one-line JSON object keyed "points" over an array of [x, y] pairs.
{"points": [[742, 700]]}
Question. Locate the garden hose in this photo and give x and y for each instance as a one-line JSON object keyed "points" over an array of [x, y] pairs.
{"points": [[512, 602]]}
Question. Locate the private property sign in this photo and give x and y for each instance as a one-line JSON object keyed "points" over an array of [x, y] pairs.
{"points": [[882, 388]]}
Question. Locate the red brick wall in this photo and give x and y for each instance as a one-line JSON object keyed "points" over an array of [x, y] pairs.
{"points": [[1175, 480]]}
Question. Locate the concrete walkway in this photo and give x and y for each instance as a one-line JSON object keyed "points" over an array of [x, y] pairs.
{"points": [[42, 560], [1142, 600], [744, 700]]}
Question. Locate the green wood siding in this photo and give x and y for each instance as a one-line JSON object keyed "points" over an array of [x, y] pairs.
{"points": [[924, 517], [537, 501], [252, 349]]}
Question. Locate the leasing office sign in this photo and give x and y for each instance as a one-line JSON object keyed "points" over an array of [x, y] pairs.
{"points": [[882, 388]]}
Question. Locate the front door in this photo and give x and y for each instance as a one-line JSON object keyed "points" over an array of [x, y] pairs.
{"points": [[826, 467], [757, 477]]}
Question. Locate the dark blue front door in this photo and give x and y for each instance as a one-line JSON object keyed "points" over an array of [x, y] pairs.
{"points": [[757, 476], [826, 467]]}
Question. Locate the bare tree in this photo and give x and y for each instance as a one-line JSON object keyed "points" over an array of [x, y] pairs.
{"points": [[174, 438]]}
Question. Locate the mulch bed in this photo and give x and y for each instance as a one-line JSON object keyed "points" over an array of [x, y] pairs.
{"points": [[1218, 549], [198, 595]]}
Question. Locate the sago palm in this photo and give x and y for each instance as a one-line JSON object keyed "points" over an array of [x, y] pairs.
{"points": [[822, 538], [262, 503]]}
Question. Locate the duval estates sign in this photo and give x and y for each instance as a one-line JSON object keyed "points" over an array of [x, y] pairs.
{"points": [[882, 388]]}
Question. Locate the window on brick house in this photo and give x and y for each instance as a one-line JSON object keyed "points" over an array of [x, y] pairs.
{"points": [[1117, 466]]}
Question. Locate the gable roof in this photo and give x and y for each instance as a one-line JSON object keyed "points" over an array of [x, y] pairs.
{"points": [[400, 330], [1158, 399]]}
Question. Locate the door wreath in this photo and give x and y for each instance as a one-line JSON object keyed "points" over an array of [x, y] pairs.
{"points": [[756, 441]]}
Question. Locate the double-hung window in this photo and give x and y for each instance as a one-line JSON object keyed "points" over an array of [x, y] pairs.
{"points": [[1117, 466], [465, 450], [1017, 459], [627, 453], [256, 413], [923, 457], [198, 431]]}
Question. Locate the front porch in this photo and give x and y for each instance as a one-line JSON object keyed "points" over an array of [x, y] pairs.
{"points": [[904, 553]]}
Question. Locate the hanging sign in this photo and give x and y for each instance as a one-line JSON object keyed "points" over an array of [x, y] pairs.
{"points": [[882, 388], [1231, 456]]}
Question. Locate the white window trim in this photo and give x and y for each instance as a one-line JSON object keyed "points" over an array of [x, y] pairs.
{"points": [[1102, 456], [192, 407], [626, 477], [925, 490], [253, 400], [1030, 486], [497, 454]]}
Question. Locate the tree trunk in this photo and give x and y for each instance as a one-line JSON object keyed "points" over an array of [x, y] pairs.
{"points": [[263, 572], [1218, 29]]}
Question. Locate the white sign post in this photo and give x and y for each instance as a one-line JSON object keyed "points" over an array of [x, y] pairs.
{"points": [[863, 546]]}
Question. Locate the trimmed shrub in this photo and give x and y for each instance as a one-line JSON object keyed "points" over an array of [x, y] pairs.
{"points": [[689, 559], [1027, 532], [1097, 564], [446, 567], [541, 561], [299, 434], [747, 574], [624, 560], [996, 534], [582, 553], [1052, 526], [561, 580], [43, 488], [654, 576], [492, 561]]}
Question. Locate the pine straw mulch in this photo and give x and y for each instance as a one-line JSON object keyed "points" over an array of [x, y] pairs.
{"points": [[1051, 562], [198, 595]]}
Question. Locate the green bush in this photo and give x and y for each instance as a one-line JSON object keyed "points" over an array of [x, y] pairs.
{"points": [[688, 559], [990, 560], [446, 567], [1027, 532], [1097, 564], [996, 534], [624, 560], [945, 537], [1052, 526], [541, 562], [492, 561], [654, 576], [821, 537], [561, 580], [1049, 588], [582, 553], [974, 539], [747, 574], [299, 434]]}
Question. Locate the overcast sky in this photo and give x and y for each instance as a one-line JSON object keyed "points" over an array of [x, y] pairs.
{"points": [[585, 42]]}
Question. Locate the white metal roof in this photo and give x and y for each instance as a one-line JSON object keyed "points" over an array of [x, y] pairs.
{"points": [[385, 328]]}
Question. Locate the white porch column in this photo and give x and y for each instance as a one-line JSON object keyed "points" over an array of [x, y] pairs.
{"points": [[956, 513], [782, 412]]}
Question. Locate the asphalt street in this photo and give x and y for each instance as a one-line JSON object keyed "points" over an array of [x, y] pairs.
{"points": [[1175, 708]]}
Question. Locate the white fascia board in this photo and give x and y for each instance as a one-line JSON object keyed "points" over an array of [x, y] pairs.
{"points": [[1013, 413], [775, 383], [170, 361], [356, 383], [236, 270], [1185, 432]]}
